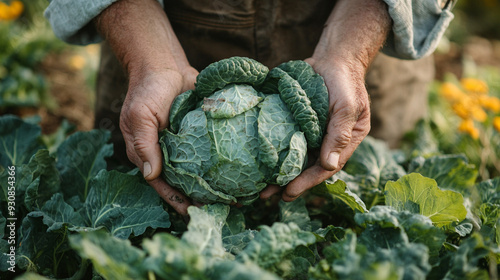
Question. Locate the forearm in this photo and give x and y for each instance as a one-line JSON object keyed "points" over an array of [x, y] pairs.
{"points": [[141, 37], [353, 34]]}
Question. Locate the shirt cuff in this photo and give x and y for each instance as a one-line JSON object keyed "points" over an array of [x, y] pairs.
{"points": [[418, 26], [71, 19]]}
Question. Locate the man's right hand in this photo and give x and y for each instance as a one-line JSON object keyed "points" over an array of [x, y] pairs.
{"points": [[144, 42]]}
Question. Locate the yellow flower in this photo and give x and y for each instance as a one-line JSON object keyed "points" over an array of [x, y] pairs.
{"points": [[478, 113], [474, 85], [93, 49], [496, 123], [4, 11], [461, 110], [12, 11], [468, 127], [491, 103], [451, 92], [77, 62], [16, 8]]}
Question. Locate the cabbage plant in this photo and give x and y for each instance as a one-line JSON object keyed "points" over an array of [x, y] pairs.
{"points": [[243, 127]]}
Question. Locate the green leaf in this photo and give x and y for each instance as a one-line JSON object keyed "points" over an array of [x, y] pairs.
{"points": [[205, 230], [371, 166], [418, 228], [313, 84], [276, 127], [466, 263], [338, 190], [57, 214], [54, 140], [42, 168], [80, 158], [19, 140], [295, 212], [451, 172], [189, 149], [299, 104], [294, 162], [421, 195], [124, 204], [171, 258], [238, 271], [113, 258], [31, 276], [238, 70], [47, 251], [235, 147], [182, 104], [230, 101], [350, 259], [272, 244], [489, 191]]}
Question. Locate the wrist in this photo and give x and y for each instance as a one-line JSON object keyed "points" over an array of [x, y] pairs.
{"points": [[141, 38], [353, 35]]}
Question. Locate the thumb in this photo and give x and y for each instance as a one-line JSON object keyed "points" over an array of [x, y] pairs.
{"points": [[149, 152], [145, 151], [337, 138]]}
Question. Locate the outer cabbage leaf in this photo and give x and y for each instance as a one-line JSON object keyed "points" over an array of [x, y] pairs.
{"points": [[313, 84], [191, 184], [296, 99], [418, 194], [276, 127], [182, 104], [235, 148], [190, 148], [294, 161], [240, 70], [230, 101]]}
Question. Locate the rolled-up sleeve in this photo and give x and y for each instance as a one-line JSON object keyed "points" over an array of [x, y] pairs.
{"points": [[418, 26], [71, 19]]}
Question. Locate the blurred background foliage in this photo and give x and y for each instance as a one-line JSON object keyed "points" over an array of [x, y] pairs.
{"points": [[40, 74], [477, 17]]}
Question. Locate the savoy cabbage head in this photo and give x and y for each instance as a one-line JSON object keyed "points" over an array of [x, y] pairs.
{"points": [[243, 127]]}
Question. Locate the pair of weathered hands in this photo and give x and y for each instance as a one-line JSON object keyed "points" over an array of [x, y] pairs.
{"points": [[143, 40]]}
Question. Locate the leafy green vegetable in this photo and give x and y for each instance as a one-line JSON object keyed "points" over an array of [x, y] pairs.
{"points": [[18, 141], [418, 194], [243, 127], [451, 172]]}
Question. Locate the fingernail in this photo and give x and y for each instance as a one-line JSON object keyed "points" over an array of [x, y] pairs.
{"points": [[333, 160], [146, 169]]}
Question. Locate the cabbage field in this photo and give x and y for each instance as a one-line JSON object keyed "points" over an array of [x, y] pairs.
{"points": [[427, 210]]}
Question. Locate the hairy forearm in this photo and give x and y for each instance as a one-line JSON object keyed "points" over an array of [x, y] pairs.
{"points": [[141, 37], [354, 33]]}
